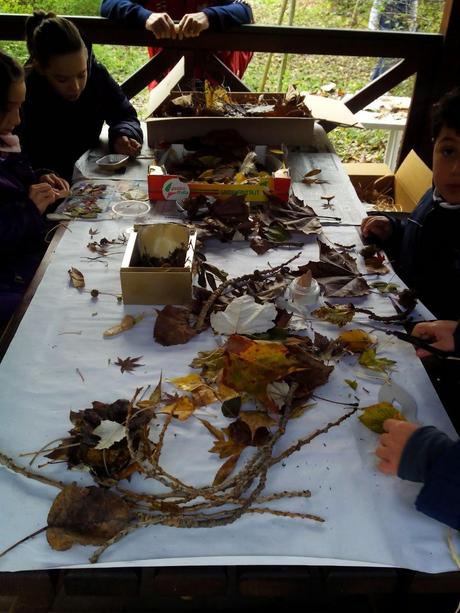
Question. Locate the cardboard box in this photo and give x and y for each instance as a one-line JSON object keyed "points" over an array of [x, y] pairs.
{"points": [[154, 285], [256, 130], [163, 185], [406, 186]]}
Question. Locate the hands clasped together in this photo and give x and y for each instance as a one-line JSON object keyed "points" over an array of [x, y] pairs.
{"points": [[190, 26]]}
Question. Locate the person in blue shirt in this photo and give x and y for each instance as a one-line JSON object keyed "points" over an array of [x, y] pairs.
{"points": [[69, 96], [424, 454], [391, 15], [194, 17], [425, 247]]}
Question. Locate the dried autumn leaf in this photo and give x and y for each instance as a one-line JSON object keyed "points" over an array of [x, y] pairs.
{"points": [[352, 383], [301, 410], [216, 432], [376, 265], [128, 322], [374, 416], [386, 288], [203, 395], [278, 391], [172, 326], [76, 277], [110, 432], [128, 364], [211, 363], [181, 408], [187, 383], [339, 314], [85, 516], [227, 448], [231, 406], [256, 420], [251, 365], [226, 469], [357, 340], [369, 359], [337, 273], [326, 348], [154, 398], [244, 316]]}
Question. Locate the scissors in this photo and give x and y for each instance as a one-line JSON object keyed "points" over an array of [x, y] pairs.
{"points": [[422, 344]]}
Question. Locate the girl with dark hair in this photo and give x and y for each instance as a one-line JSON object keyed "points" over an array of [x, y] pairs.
{"points": [[24, 196], [69, 96]]}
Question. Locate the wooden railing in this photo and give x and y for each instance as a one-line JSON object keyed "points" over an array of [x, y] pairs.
{"points": [[433, 58]]}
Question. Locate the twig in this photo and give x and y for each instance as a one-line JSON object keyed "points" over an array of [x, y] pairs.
{"points": [[26, 538], [78, 371], [9, 463], [344, 404]]}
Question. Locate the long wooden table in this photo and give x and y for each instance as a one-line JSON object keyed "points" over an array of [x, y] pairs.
{"points": [[58, 361]]}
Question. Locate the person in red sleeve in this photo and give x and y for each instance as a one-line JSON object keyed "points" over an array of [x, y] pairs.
{"points": [[193, 16]]}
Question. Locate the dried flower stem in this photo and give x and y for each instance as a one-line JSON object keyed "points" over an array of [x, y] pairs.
{"points": [[8, 462]]}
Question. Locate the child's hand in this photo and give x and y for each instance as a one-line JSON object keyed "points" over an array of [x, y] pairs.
{"points": [[161, 25], [376, 226], [60, 186], [439, 333], [42, 195], [126, 146], [392, 443], [192, 24]]}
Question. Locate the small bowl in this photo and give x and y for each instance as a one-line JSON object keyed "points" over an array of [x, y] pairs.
{"points": [[131, 208], [113, 161]]}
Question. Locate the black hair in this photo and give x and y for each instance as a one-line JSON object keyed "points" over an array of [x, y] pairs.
{"points": [[446, 113], [48, 35], [10, 72]]}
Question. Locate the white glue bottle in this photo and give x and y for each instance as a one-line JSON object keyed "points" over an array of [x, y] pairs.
{"points": [[303, 291]]}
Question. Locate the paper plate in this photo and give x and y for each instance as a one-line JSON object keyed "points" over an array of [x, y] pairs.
{"points": [[113, 161], [131, 208]]}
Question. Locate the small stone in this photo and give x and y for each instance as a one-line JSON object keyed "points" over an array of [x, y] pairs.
{"points": [[94, 293]]}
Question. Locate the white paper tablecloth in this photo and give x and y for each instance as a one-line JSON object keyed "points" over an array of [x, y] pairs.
{"points": [[370, 518]]}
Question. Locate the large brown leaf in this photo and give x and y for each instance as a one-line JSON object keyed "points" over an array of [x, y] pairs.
{"points": [[337, 273], [85, 516], [172, 326]]}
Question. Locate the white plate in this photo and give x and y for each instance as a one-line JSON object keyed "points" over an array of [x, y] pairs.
{"points": [[113, 161], [131, 208]]}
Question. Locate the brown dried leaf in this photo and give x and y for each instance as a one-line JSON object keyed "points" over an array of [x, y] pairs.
{"points": [[76, 277], [337, 273], [255, 420], [226, 469], [203, 395], [172, 326], [216, 432], [338, 314], [128, 364], [85, 516]]}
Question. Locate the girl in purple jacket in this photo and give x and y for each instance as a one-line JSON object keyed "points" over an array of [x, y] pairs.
{"points": [[24, 196]]}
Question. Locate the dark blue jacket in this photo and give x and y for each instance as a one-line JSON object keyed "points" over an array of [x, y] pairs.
{"points": [[21, 226], [224, 15], [433, 458], [55, 132], [426, 248]]}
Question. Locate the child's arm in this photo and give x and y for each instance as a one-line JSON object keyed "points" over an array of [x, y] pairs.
{"points": [[424, 454], [121, 116], [228, 15], [132, 13]]}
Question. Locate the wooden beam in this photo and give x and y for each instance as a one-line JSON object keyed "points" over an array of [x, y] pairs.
{"points": [[278, 39], [378, 87], [153, 70]]}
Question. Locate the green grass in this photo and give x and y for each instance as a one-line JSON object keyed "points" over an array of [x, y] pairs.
{"points": [[308, 72]]}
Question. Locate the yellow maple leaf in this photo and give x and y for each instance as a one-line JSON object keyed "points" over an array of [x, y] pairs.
{"points": [[181, 408], [374, 416], [187, 383]]}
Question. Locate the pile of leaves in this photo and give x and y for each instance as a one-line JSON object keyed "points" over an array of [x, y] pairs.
{"points": [[265, 225], [216, 101], [113, 442]]}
